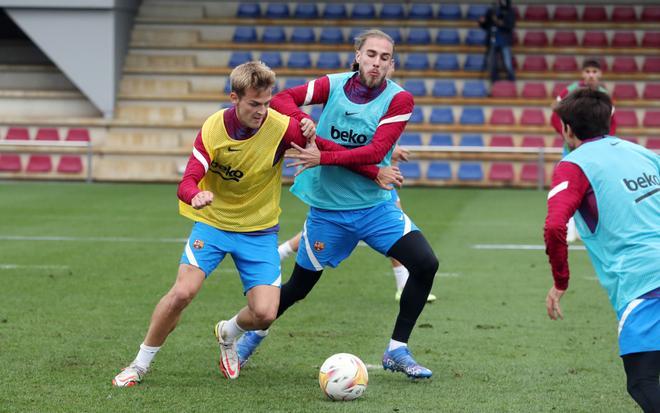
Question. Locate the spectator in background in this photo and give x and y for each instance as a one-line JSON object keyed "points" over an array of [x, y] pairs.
{"points": [[498, 22]]}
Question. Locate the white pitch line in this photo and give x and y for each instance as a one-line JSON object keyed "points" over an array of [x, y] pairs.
{"points": [[41, 267], [521, 247], [89, 239]]}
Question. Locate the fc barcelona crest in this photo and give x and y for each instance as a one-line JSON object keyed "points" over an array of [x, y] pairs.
{"points": [[198, 244], [318, 246]]}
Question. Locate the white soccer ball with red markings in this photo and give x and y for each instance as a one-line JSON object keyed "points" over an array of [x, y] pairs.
{"points": [[343, 376]]}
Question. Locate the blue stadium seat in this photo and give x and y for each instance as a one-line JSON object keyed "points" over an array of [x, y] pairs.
{"points": [[471, 140], [288, 171], [316, 112], [363, 11], [277, 11], [238, 57], [272, 59], [334, 11], [306, 11], [439, 171], [394, 33], [474, 62], [392, 12], [448, 37], [446, 61], [328, 60], [450, 12], [475, 11], [331, 35], [355, 32], [273, 34], [417, 61], [245, 34], [422, 11], [410, 170], [470, 171], [410, 139], [441, 139], [417, 87], [249, 10], [442, 116], [299, 60], [293, 82], [472, 116], [417, 115], [444, 88], [303, 35], [474, 89], [475, 37], [419, 35], [227, 89]]}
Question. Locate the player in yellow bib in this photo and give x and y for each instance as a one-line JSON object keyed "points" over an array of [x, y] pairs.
{"points": [[231, 190]]}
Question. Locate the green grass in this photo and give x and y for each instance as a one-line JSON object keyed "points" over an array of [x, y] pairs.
{"points": [[72, 312]]}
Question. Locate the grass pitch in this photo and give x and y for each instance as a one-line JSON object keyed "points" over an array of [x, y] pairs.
{"points": [[82, 266]]}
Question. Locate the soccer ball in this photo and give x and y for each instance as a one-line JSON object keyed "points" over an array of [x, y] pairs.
{"points": [[343, 376]]}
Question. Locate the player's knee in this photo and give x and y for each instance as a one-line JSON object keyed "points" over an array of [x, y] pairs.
{"points": [[181, 296], [264, 316]]}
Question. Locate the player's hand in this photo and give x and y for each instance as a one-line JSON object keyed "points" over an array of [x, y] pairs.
{"points": [[307, 157], [388, 177], [202, 199], [552, 303], [308, 128], [400, 154]]}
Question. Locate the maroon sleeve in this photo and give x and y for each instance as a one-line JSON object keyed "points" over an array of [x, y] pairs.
{"points": [[555, 121], [387, 134], [195, 171], [289, 101], [569, 186]]}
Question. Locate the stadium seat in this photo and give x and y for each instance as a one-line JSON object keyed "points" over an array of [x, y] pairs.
{"points": [[334, 11], [624, 64], [17, 134], [630, 139], [410, 139], [474, 89], [410, 170], [306, 11], [470, 171], [565, 64], [417, 61], [10, 163], [288, 171], [624, 14], [535, 63], [651, 91], [565, 14], [77, 135], [450, 12], [249, 10], [417, 87], [533, 142], [504, 89], [565, 39], [446, 61], [500, 141], [277, 10], [417, 115], [501, 172], [651, 14], [537, 13], [594, 14], [651, 64], [303, 35], [441, 139], [245, 34], [394, 33], [532, 117], [474, 62], [293, 82], [530, 172], [331, 35], [442, 116], [355, 32], [653, 143], [534, 90], [472, 116], [625, 91], [475, 11], [558, 142], [299, 60], [440, 171], [363, 11], [475, 37], [39, 164], [392, 12], [328, 60], [558, 88], [502, 116], [238, 57], [316, 112], [444, 88], [419, 35], [651, 119], [594, 39], [47, 134], [448, 37], [535, 39], [624, 39], [651, 39], [421, 11], [273, 34], [227, 88], [471, 140], [272, 59], [626, 118]]}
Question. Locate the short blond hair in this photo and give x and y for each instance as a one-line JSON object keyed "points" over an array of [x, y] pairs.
{"points": [[363, 36], [251, 75]]}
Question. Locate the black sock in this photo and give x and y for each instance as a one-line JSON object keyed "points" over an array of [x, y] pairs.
{"points": [[297, 287], [643, 373]]}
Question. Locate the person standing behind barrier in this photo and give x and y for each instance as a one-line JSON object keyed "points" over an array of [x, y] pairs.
{"points": [[499, 22]]}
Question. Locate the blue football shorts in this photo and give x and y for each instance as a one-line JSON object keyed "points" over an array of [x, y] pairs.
{"points": [[255, 256], [639, 326], [329, 237]]}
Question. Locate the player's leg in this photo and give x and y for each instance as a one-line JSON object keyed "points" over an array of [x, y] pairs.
{"points": [[642, 373], [289, 246]]}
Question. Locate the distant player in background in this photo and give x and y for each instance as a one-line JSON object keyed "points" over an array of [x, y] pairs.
{"points": [[612, 187], [231, 190]]}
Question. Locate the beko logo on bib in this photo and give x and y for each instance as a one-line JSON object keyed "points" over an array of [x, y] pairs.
{"points": [[347, 136]]}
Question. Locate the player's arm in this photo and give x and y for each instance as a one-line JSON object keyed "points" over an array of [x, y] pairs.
{"points": [[198, 164], [289, 101]]}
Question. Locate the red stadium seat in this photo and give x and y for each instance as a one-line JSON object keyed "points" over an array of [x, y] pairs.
{"points": [[534, 90], [504, 89], [529, 172], [626, 118], [566, 14], [69, 164], [652, 119], [18, 134], [535, 63], [537, 13], [594, 39], [651, 14], [558, 142], [501, 171], [78, 135], [535, 39], [47, 134], [10, 163], [625, 91], [651, 91], [653, 143], [624, 14], [502, 141], [565, 64], [558, 88], [651, 39], [533, 142], [565, 39], [630, 139], [624, 64], [594, 14], [532, 117], [624, 39], [39, 164], [651, 64], [502, 116]]}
